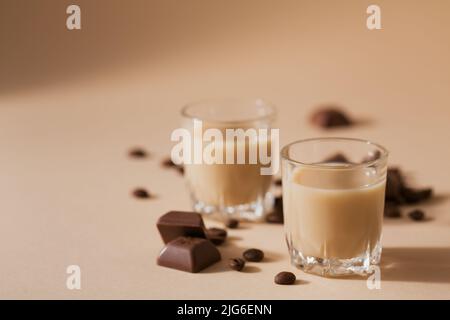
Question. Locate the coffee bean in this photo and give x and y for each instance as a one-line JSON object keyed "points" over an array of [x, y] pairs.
{"points": [[232, 223], [337, 158], [285, 278], [216, 235], [237, 264], [137, 153], [392, 211], [330, 117], [253, 255], [417, 215], [411, 195], [168, 163], [141, 193]]}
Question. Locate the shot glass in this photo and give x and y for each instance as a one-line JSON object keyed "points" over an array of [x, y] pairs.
{"points": [[232, 147], [333, 200]]}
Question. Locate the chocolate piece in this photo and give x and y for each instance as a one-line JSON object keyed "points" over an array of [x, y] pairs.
{"points": [[216, 235], [176, 224], [232, 223], [137, 153], [411, 195], [392, 211], [188, 254], [253, 255], [237, 264], [141, 193], [285, 278], [417, 215], [330, 117], [337, 158]]}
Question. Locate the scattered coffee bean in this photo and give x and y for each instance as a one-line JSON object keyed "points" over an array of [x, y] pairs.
{"points": [[285, 278], [278, 182], [232, 223], [216, 235], [237, 264], [253, 255], [141, 193], [168, 163], [337, 158], [417, 215], [330, 117], [392, 211], [137, 153]]}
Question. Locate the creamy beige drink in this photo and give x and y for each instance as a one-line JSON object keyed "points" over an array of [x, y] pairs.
{"points": [[332, 212], [229, 184], [228, 166]]}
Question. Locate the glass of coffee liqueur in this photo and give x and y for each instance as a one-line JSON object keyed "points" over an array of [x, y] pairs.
{"points": [[333, 200], [228, 159]]}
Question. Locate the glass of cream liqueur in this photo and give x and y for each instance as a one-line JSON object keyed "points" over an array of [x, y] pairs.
{"points": [[229, 168], [333, 200]]}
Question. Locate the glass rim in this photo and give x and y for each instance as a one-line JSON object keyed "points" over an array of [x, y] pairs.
{"points": [[382, 157], [267, 104]]}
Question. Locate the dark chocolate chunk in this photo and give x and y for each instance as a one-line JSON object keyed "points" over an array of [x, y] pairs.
{"points": [[237, 264], [188, 254], [232, 223], [137, 153], [337, 158], [391, 210], [253, 255], [372, 156], [141, 193], [330, 117], [216, 235], [175, 224], [411, 195], [285, 278], [417, 215]]}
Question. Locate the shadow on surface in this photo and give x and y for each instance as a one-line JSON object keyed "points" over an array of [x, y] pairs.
{"points": [[416, 265]]}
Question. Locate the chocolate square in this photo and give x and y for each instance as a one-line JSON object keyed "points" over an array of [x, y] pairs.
{"points": [[176, 224], [188, 254]]}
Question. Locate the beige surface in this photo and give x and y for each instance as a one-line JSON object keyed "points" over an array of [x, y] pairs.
{"points": [[71, 104]]}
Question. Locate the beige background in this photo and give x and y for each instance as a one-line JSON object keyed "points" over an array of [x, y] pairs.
{"points": [[73, 102]]}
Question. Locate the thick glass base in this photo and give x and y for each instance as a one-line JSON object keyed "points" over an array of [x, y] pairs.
{"points": [[361, 265], [254, 211]]}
